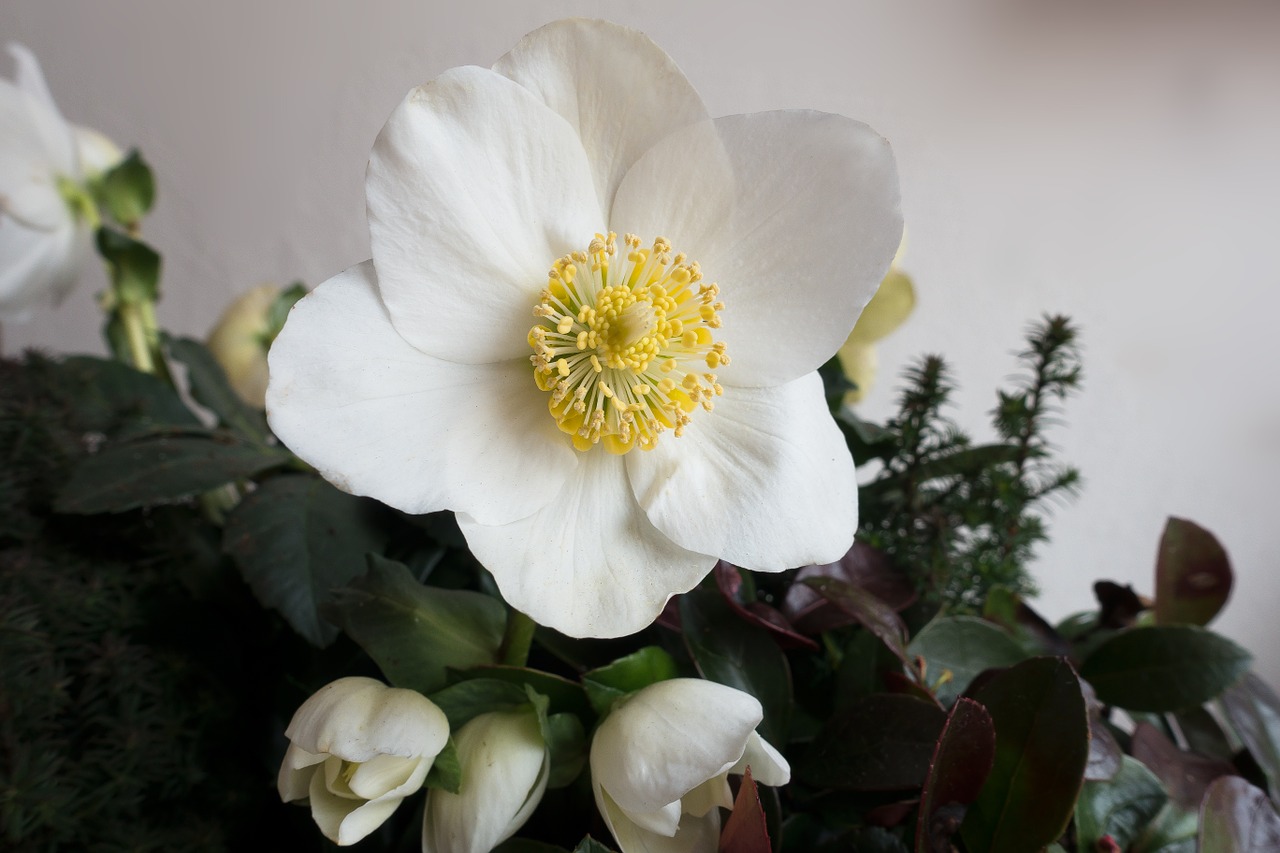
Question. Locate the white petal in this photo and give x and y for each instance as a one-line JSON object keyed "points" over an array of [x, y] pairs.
{"points": [[663, 821], [614, 86], [43, 120], [97, 153], [38, 267], [695, 834], [474, 189], [344, 821], [357, 718], [711, 794], [294, 780], [815, 225], [764, 481], [768, 767], [383, 774], [504, 774], [589, 563], [377, 417], [669, 738]]}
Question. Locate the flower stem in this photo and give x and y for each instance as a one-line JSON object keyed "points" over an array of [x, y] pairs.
{"points": [[518, 639], [134, 323]]}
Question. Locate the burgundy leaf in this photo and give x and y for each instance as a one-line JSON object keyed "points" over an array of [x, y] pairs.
{"points": [[746, 831], [863, 567], [961, 762], [758, 613], [1193, 575]]}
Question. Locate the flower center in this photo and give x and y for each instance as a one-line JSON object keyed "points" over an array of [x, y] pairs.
{"points": [[624, 343]]}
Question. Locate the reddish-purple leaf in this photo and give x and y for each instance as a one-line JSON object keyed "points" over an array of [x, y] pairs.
{"points": [[1236, 817], [961, 761], [869, 611], [1185, 775], [746, 831], [1193, 575], [881, 742], [863, 567], [1254, 712], [1105, 754], [758, 613]]}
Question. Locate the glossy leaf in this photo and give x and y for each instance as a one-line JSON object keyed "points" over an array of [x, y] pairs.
{"points": [[746, 831], [466, 700], [567, 743], [1253, 710], [1042, 744], [1185, 775], [1163, 668], [870, 612], [962, 646], [1236, 817], [882, 742], [209, 388], [1193, 575], [563, 695], [961, 761], [728, 580], [1120, 807], [727, 650], [415, 632], [446, 770], [160, 469], [626, 675], [863, 567]]}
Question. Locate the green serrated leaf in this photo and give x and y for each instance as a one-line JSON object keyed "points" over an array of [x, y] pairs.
{"points": [[963, 646], [133, 265], [160, 468], [1163, 668], [1121, 807], [641, 668], [209, 388], [296, 539], [415, 633], [446, 770], [727, 650], [128, 190]]}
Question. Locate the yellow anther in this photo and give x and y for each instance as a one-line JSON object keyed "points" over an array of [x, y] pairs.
{"points": [[595, 365]]}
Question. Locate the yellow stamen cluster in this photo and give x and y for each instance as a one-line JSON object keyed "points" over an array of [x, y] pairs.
{"points": [[624, 343]]}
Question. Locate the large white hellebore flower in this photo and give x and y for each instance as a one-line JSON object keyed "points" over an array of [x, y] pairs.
{"points": [[44, 162], [505, 763], [607, 414], [660, 764], [357, 748]]}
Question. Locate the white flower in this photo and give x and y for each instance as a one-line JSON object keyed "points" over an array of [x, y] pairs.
{"points": [[409, 378], [240, 339], [660, 764], [505, 763], [43, 241], [357, 748]]}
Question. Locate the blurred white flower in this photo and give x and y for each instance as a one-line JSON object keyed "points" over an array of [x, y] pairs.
{"points": [[357, 748], [660, 764], [505, 763], [686, 419], [45, 228], [240, 339], [893, 303]]}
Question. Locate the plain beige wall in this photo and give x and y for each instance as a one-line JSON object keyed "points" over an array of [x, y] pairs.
{"points": [[1115, 161]]}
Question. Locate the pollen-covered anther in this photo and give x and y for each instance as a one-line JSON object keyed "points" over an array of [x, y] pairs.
{"points": [[623, 342]]}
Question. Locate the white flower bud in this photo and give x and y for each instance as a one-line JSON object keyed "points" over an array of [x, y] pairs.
{"points": [[239, 342], [357, 748], [660, 763], [504, 774]]}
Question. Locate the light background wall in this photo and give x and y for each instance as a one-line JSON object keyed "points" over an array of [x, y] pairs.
{"points": [[1117, 161]]}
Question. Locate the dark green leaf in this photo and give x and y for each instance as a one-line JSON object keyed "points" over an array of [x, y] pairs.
{"points": [[1121, 807], [468, 699], [446, 771], [1163, 668], [296, 539], [961, 761], [134, 266], [1173, 830], [963, 646], [563, 695], [209, 388], [590, 845], [835, 384], [280, 308], [1193, 575], [128, 189], [1042, 744], [746, 830], [866, 440], [415, 632], [567, 742], [627, 675], [727, 650], [116, 399], [160, 469], [1254, 713], [1237, 818], [882, 742]]}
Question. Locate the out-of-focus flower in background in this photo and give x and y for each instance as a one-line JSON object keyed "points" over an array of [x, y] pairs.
{"points": [[47, 213], [660, 763], [240, 339], [888, 309], [357, 748], [505, 764]]}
